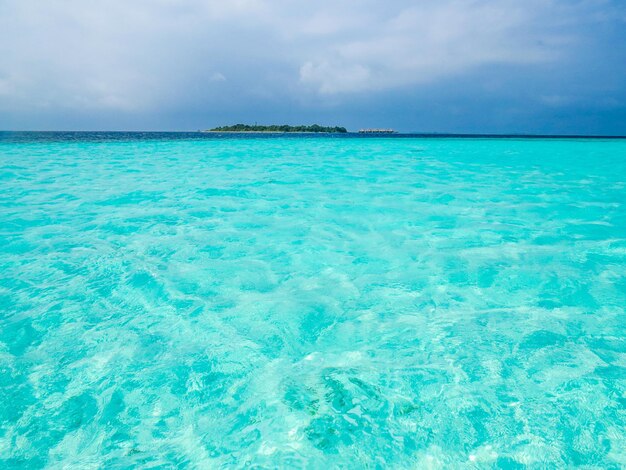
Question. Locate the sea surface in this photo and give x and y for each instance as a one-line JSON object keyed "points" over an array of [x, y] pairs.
{"points": [[205, 301]]}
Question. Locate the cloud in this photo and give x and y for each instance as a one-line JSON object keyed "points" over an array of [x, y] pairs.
{"points": [[149, 56], [336, 77], [434, 39], [217, 77]]}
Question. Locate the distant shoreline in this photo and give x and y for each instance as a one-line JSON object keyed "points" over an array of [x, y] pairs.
{"points": [[428, 135], [280, 129], [26, 134], [269, 132]]}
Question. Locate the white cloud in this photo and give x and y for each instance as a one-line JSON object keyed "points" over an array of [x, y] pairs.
{"points": [[217, 77], [143, 55], [332, 78], [432, 40]]}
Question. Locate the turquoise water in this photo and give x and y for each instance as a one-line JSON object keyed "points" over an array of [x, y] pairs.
{"points": [[176, 302]]}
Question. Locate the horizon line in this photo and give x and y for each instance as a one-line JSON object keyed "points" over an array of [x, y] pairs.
{"points": [[396, 133]]}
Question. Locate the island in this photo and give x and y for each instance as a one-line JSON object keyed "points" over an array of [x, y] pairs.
{"points": [[315, 128]]}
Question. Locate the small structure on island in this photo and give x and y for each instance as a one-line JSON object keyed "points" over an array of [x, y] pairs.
{"points": [[376, 131]]}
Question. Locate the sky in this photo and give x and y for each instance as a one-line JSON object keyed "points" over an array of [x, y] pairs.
{"points": [[459, 66]]}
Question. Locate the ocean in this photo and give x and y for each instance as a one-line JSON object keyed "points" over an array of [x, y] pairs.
{"points": [[205, 301]]}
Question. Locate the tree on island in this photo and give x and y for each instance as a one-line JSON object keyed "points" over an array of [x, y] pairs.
{"points": [[275, 128]]}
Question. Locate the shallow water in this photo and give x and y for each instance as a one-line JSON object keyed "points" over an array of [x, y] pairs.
{"points": [[312, 301]]}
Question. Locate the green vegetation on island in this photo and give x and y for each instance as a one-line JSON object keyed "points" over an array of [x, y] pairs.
{"points": [[274, 128]]}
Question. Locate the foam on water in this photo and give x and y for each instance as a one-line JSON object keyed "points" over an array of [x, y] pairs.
{"points": [[335, 302]]}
